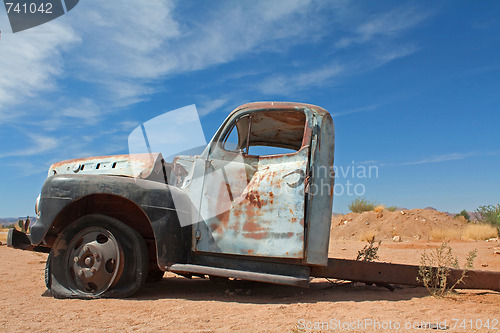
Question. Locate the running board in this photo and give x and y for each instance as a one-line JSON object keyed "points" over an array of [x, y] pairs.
{"points": [[239, 274]]}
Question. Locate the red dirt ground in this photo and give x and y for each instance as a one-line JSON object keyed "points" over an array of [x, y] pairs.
{"points": [[198, 305]]}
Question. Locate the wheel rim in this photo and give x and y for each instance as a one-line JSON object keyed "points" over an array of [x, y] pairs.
{"points": [[95, 260]]}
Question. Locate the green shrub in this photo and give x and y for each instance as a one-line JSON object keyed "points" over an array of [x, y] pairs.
{"points": [[361, 205], [464, 214], [392, 208], [369, 252], [490, 214], [435, 268]]}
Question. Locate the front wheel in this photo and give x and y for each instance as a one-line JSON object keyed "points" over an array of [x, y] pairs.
{"points": [[97, 256]]}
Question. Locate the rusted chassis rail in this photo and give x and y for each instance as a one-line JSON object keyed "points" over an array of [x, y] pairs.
{"points": [[383, 273]]}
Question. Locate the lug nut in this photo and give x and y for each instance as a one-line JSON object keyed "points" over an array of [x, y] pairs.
{"points": [[75, 259]]}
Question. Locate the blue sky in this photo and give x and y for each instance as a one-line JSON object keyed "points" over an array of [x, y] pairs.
{"points": [[414, 87]]}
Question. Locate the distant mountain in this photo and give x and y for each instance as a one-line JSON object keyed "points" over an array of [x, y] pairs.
{"points": [[11, 220]]}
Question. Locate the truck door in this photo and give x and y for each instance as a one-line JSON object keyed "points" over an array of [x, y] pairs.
{"points": [[253, 198]]}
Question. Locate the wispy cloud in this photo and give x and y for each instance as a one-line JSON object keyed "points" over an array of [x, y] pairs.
{"points": [[130, 52], [211, 106], [372, 41], [39, 145], [287, 84], [442, 158], [127, 49], [84, 109], [31, 60], [383, 25], [356, 110]]}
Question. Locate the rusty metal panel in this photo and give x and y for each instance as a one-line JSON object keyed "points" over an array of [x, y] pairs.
{"points": [[381, 272], [264, 215], [143, 166]]}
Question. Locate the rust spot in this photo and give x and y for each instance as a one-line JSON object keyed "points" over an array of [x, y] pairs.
{"points": [[254, 199], [223, 218], [252, 227], [256, 235], [235, 226], [307, 134], [250, 251], [292, 118], [215, 227], [221, 205], [301, 222], [293, 219]]}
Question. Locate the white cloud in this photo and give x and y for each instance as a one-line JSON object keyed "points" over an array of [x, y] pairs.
{"points": [[442, 158], [383, 25], [40, 144], [393, 53], [84, 110], [356, 110], [122, 52], [287, 84], [126, 49], [371, 43], [211, 106], [30, 60]]}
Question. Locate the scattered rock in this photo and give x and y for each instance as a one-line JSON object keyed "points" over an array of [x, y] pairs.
{"points": [[403, 212], [484, 265], [396, 239], [380, 214], [496, 252], [492, 240]]}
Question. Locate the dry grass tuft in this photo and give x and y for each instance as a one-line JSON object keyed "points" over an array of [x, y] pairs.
{"points": [[479, 232], [461, 219], [379, 208], [368, 236], [3, 235], [470, 232], [443, 233]]}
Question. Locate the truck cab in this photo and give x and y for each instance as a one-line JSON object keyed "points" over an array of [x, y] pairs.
{"points": [[256, 204]]}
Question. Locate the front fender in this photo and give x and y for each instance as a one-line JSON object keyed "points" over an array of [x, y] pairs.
{"points": [[153, 198]]}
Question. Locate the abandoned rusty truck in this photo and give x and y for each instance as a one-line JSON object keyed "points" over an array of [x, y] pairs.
{"points": [[236, 210]]}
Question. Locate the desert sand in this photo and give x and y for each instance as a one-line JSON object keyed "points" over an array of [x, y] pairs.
{"points": [[200, 305]]}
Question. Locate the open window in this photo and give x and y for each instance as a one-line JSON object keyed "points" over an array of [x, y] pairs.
{"points": [[266, 133]]}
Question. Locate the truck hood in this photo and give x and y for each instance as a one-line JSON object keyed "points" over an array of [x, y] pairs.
{"points": [[143, 166]]}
